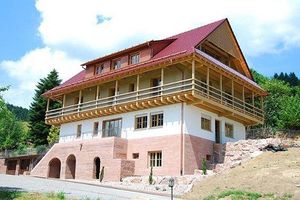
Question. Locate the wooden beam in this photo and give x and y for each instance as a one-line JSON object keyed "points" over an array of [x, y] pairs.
{"points": [[243, 91], [79, 100]]}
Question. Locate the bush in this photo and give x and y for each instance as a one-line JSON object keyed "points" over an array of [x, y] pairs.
{"points": [[40, 149], [151, 176], [204, 166], [101, 174]]}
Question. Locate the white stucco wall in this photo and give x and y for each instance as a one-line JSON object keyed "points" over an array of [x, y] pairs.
{"points": [[192, 118], [171, 124], [172, 117]]}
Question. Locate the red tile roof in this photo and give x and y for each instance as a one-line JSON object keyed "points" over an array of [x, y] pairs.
{"points": [[183, 43]]}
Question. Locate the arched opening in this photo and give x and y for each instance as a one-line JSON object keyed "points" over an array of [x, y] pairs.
{"points": [[54, 168], [97, 163], [70, 167]]}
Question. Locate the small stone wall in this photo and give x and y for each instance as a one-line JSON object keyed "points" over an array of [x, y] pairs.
{"points": [[232, 154]]}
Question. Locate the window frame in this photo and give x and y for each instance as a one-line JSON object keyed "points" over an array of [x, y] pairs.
{"points": [[226, 133], [205, 117], [119, 127], [115, 61], [150, 118], [133, 55], [135, 121], [155, 159], [96, 72]]}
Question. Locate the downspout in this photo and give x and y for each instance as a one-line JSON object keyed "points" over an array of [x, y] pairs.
{"points": [[181, 131]]}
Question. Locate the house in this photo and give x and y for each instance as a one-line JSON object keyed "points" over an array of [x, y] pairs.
{"points": [[161, 104]]}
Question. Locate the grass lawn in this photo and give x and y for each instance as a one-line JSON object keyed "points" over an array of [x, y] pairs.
{"points": [[19, 195], [243, 195]]}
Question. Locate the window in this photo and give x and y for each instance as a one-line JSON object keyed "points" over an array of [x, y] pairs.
{"points": [[228, 130], [141, 122], [134, 59], [116, 64], [131, 87], [157, 120], [99, 69], [96, 128], [79, 126], [155, 159], [135, 156], [206, 123], [112, 128]]}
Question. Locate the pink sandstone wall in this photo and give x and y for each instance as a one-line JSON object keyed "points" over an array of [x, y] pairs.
{"points": [[2, 166], [116, 156], [170, 147], [196, 149], [85, 151]]}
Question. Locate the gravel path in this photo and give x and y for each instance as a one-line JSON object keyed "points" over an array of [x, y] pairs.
{"points": [[78, 190]]}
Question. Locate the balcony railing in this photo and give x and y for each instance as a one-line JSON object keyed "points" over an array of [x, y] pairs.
{"points": [[188, 85]]}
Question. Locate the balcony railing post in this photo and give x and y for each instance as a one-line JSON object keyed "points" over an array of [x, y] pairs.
{"points": [[79, 100], [207, 80], [243, 91], [193, 77], [137, 86], [232, 92], [162, 81], [97, 95], [221, 87]]}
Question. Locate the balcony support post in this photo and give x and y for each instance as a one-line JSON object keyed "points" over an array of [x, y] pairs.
{"points": [[48, 102], [207, 80], [63, 104], [162, 80], [221, 87], [193, 77], [243, 90], [137, 86], [232, 92], [97, 95], [252, 102], [79, 100]]}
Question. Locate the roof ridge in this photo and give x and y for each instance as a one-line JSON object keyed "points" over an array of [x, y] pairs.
{"points": [[196, 28]]}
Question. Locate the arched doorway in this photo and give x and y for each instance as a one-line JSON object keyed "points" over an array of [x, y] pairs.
{"points": [[96, 172], [70, 167], [54, 168]]}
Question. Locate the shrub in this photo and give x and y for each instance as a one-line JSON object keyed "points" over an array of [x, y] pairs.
{"points": [[40, 149], [151, 176], [101, 174], [204, 166]]}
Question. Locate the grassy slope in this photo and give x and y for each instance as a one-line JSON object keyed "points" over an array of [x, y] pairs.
{"points": [[276, 173]]}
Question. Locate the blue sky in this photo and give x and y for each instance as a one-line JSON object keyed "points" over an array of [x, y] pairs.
{"points": [[37, 36]]}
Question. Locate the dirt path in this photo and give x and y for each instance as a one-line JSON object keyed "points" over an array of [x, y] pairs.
{"points": [[277, 173]]}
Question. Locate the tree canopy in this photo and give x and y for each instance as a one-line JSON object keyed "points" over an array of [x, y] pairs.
{"points": [[38, 129], [282, 105], [12, 131]]}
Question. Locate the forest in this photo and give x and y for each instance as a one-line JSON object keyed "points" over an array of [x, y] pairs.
{"points": [[21, 128]]}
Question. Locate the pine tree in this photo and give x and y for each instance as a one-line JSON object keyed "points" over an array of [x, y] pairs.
{"points": [[39, 131]]}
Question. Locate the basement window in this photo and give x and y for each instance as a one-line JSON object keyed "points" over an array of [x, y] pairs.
{"points": [[135, 156]]}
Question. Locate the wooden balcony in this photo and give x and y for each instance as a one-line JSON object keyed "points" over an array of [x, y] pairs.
{"points": [[190, 90]]}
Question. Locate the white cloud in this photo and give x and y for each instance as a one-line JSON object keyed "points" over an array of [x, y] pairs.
{"points": [[262, 26], [71, 28], [35, 65]]}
